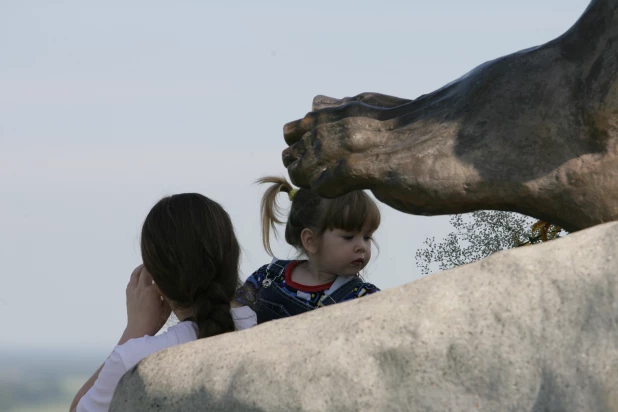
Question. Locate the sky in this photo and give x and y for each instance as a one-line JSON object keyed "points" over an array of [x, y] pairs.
{"points": [[105, 107]]}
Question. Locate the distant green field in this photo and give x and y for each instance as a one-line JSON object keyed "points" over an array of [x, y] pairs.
{"points": [[37, 382], [60, 402], [43, 408]]}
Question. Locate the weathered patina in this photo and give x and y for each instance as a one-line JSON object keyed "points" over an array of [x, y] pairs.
{"points": [[534, 132]]}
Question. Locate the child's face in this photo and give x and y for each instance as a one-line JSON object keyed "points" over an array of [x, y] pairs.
{"points": [[344, 253]]}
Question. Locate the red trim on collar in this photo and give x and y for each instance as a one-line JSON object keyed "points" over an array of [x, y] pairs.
{"points": [[288, 280]]}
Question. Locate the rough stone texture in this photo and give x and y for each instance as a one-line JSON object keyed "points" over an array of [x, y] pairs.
{"points": [[534, 132], [530, 329]]}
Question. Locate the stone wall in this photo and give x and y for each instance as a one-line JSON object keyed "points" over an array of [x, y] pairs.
{"points": [[531, 329]]}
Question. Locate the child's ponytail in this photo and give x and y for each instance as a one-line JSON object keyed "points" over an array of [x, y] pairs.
{"points": [[270, 209], [353, 211]]}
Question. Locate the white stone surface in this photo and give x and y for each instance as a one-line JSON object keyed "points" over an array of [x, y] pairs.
{"points": [[531, 329]]}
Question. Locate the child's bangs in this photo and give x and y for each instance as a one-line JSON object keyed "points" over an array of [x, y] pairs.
{"points": [[352, 212]]}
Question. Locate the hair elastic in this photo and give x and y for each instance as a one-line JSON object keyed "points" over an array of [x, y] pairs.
{"points": [[292, 193]]}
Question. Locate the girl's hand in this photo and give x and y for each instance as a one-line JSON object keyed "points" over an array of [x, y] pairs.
{"points": [[147, 311]]}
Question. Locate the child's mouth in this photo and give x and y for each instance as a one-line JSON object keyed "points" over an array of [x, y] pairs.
{"points": [[357, 262]]}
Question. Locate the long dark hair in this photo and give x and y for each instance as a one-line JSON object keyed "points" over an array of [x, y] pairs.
{"points": [[352, 211], [190, 249]]}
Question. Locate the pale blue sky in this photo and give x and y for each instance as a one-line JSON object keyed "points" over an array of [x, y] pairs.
{"points": [[107, 106]]}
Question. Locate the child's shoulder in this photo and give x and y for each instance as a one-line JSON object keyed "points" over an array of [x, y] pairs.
{"points": [[256, 278], [274, 264], [247, 294]]}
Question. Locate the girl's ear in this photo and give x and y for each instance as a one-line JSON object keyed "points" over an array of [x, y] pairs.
{"points": [[161, 293], [309, 241], [171, 303]]}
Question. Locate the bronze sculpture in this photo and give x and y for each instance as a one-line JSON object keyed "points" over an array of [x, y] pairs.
{"points": [[534, 132]]}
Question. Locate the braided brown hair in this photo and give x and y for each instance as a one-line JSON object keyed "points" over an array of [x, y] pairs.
{"points": [[189, 247]]}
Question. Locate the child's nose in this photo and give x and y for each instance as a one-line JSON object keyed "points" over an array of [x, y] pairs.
{"points": [[360, 246]]}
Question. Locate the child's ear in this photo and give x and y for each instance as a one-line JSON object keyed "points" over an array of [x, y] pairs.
{"points": [[309, 241]]}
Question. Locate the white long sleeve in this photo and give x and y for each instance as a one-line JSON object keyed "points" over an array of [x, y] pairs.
{"points": [[129, 354]]}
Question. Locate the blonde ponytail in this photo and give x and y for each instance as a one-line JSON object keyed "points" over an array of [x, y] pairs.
{"points": [[270, 209]]}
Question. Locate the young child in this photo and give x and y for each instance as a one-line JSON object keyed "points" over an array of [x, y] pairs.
{"points": [[334, 235], [190, 250]]}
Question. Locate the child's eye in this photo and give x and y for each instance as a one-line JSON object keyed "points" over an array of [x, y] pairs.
{"points": [[368, 238], [348, 237]]}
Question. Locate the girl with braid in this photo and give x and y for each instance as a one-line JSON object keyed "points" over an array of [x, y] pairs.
{"points": [[333, 234], [190, 256]]}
